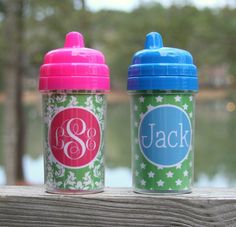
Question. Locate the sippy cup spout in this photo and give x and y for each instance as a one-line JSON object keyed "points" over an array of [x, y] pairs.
{"points": [[153, 41], [74, 39]]}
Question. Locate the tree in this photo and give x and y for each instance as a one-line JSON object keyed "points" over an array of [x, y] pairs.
{"points": [[13, 72]]}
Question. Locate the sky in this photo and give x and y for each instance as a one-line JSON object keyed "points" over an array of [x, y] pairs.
{"points": [[128, 5]]}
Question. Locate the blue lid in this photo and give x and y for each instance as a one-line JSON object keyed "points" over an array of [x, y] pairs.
{"points": [[162, 68]]}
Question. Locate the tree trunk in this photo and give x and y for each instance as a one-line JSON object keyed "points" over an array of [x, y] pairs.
{"points": [[85, 23], [83, 4], [14, 117]]}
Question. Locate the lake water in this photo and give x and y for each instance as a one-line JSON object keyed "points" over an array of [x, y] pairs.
{"points": [[114, 177], [215, 144]]}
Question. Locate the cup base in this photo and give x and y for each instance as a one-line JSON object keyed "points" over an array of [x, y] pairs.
{"points": [[72, 192], [161, 192]]}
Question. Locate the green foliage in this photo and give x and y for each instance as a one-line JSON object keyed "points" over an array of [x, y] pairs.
{"points": [[209, 34]]}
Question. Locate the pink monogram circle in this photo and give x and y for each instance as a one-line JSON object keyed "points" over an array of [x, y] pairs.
{"points": [[74, 137]]}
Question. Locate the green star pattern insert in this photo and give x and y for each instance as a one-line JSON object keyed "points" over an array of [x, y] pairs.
{"points": [[148, 177]]}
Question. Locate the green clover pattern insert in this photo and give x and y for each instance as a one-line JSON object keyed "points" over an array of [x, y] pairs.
{"points": [[60, 177]]}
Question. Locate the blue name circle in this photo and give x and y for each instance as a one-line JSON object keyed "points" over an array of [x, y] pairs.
{"points": [[165, 135]]}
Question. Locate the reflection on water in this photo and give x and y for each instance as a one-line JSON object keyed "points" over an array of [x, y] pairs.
{"points": [[215, 144], [215, 140], [33, 169], [114, 177]]}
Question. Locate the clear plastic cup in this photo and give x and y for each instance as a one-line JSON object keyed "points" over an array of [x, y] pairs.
{"points": [[162, 82], [74, 81]]}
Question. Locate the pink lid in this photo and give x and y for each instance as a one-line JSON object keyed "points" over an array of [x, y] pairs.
{"points": [[74, 67]]}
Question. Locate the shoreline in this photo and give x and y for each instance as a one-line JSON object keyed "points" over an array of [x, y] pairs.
{"points": [[204, 94]]}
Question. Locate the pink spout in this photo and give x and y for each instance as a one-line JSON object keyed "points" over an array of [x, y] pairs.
{"points": [[74, 39]]}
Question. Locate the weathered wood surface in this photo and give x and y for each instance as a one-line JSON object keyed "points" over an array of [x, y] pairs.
{"points": [[31, 206]]}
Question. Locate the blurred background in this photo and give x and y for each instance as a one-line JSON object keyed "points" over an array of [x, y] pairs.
{"points": [[30, 28]]}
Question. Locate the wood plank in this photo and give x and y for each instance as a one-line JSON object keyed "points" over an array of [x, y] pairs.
{"points": [[31, 206]]}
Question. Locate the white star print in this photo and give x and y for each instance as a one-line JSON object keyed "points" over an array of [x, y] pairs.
{"points": [[141, 115], [143, 166], [136, 157], [185, 106], [159, 99], [135, 107], [190, 164], [136, 124], [160, 183], [143, 182], [150, 107], [177, 98], [136, 140], [136, 173], [159, 167], [185, 173], [191, 115], [178, 182], [141, 99], [190, 98], [151, 174], [178, 166], [169, 174]]}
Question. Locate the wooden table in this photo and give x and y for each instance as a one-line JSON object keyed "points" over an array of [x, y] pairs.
{"points": [[31, 206]]}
